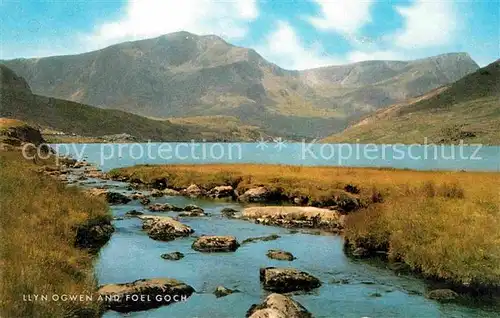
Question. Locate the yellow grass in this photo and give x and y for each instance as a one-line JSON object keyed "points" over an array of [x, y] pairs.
{"points": [[445, 224], [37, 252]]}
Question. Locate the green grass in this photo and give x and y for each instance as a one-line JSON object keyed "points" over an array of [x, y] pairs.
{"points": [[37, 236]]}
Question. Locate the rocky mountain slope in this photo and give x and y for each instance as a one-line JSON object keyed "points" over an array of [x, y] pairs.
{"points": [[468, 110], [182, 75], [17, 101]]}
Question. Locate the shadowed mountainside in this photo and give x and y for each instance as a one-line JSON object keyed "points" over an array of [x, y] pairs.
{"points": [[17, 101], [184, 75], [468, 110]]}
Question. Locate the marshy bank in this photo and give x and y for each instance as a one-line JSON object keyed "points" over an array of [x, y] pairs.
{"points": [[444, 225], [45, 241]]}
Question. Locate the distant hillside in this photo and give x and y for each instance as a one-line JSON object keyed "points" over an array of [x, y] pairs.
{"points": [[220, 128], [185, 75], [16, 101], [468, 110]]}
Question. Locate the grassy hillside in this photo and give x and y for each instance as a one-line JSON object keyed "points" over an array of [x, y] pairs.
{"points": [[37, 241], [445, 224], [71, 117], [468, 110], [184, 75]]}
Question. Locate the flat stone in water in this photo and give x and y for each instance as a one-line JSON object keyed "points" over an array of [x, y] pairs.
{"points": [[280, 255], [174, 256]]}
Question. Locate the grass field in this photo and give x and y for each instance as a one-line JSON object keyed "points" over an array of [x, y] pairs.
{"points": [[37, 251], [443, 224]]}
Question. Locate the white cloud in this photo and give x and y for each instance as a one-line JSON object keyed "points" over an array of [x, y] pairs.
{"points": [[427, 23], [283, 46], [343, 16], [151, 18]]}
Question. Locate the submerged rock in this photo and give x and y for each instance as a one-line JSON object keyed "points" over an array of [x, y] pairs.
{"points": [[163, 207], [278, 306], [228, 212], [442, 295], [193, 213], [144, 294], [221, 291], [192, 207], [174, 256], [164, 228], [283, 280], [134, 213], [280, 255], [216, 244], [271, 237], [295, 216]]}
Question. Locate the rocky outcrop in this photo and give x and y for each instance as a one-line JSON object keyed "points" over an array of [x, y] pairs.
{"points": [[221, 291], [278, 306], [164, 228], [216, 244], [174, 256], [283, 280], [296, 216], [170, 192], [442, 295], [193, 191], [221, 192], [94, 234], [144, 294], [280, 255], [258, 194]]}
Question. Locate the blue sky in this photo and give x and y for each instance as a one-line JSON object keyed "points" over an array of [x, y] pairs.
{"points": [[293, 34]]}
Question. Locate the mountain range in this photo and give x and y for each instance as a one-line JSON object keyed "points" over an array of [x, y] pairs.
{"points": [[467, 110], [185, 75]]}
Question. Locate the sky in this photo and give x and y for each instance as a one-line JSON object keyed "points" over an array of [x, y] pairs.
{"points": [[293, 34]]}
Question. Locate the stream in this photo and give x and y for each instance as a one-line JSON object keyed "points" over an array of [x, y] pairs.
{"points": [[350, 287]]}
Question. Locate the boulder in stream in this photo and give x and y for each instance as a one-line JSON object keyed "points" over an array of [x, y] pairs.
{"points": [[283, 280], [144, 294], [164, 228], [221, 291], [280, 255], [278, 306], [216, 244]]}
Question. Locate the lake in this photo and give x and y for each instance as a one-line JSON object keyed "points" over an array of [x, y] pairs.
{"points": [[418, 157]]}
